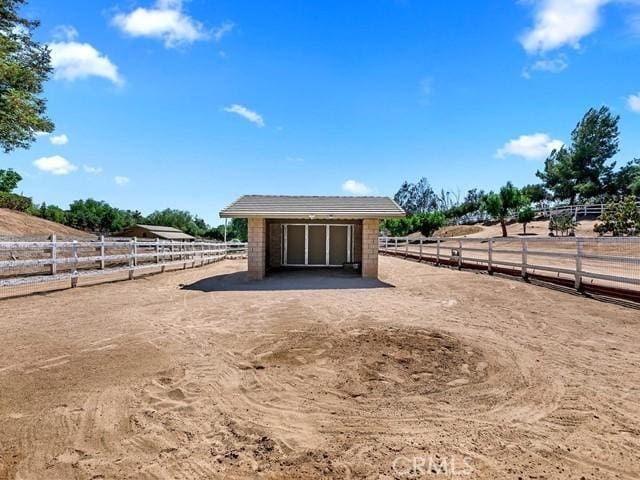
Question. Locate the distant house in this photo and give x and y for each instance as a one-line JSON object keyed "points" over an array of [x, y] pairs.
{"points": [[155, 231]]}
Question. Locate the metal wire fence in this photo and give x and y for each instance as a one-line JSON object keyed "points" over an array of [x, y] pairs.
{"points": [[608, 265], [30, 265]]}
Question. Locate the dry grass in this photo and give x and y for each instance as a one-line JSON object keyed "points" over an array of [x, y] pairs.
{"points": [[18, 224], [295, 378]]}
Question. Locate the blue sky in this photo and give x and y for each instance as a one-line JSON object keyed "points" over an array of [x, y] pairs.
{"points": [[191, 104]]}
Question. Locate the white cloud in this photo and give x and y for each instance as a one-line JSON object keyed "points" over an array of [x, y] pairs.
{"points": [[65, 32], [59, 139], [55, 165], [73, 60], [164, 21], [531, 147], [552, 65], [246, 113], [92, 170], [224, 29], [355, 188], [121, 181], [559, 23], [633, 102]]}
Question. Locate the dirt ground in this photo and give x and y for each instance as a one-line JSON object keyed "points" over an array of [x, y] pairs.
{"points": [[201, 374]]}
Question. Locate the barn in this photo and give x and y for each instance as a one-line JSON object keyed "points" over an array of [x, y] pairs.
{"points": [[155, 231], [312, 231]]}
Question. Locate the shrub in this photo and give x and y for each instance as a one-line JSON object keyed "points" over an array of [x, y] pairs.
{"points": [[562, 225], [15, 202], [621, 218]]}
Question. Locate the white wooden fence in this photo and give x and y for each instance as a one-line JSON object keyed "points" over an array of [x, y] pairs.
{"points": [[29, 266], [596, 263]]}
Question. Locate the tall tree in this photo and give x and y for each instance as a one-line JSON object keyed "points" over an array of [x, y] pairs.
{"points": [[580, 170], [416, 197], [504, 204], [24, 66]]}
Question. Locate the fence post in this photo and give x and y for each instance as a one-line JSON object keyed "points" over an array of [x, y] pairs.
{"points": [[386, 244], [490, 257], [101, 252], [74, 275], [131, 243], [54, 254], [438, 252], [525, 251], [157, 250], [406, 247], [459, 254], [396, 245], [183, 255], [420, 259], [579, 253]]}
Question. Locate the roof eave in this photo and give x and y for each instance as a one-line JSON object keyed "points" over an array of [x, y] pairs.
{"points": [[311, 216]]}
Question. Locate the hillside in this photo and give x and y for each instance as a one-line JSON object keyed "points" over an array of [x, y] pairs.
{"points": [[18, 224], [537, 228]]}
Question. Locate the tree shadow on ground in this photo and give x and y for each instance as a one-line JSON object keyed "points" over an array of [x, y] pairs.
{"points": [[303, 279]]}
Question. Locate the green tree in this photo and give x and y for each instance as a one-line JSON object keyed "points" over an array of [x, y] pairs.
{"points": [[620, 218], [626, 181], [503, 204], [580, 170], [24, 66], [427, 223], [9, 180], [416, 197], [526, 215], [180, 219], [536, 193]]}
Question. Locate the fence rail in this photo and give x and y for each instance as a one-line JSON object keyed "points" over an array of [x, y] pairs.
{"points": [[36, 266], [600, 264]]}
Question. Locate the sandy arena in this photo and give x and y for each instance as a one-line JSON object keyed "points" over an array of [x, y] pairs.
{"points": [[198, 374]]}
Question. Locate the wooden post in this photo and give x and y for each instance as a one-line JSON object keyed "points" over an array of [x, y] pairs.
{"points": [[438, 252], [183, 255], [157, 250], [101, 252], [406, 247], [74, 275], [490, 257], [396, 245], [525, 250], [459, 254], [131, 243], [386, 244], [579, 253], [420, 258], [54, 254]]}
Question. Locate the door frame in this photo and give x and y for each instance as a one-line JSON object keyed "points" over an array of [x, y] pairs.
{"points": [[349, 246]]}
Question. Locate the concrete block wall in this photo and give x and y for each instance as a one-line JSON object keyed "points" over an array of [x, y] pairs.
{"points": [[370, 232], [257, 248]]}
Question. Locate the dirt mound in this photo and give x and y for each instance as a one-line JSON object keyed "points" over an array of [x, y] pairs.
{"points": [[380, 363], [18, 224], [458, 230]]}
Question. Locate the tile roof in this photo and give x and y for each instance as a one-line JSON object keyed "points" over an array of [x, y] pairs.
{"points": [[298, 206]]}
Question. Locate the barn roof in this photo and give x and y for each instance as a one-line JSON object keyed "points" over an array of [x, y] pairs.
{"points": [[168, 233], [298, 206]]}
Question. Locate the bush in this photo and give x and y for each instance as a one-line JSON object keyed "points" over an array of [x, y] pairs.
{"points": [[15, 202], [562, 225], [428, 223], [621, 218]]}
